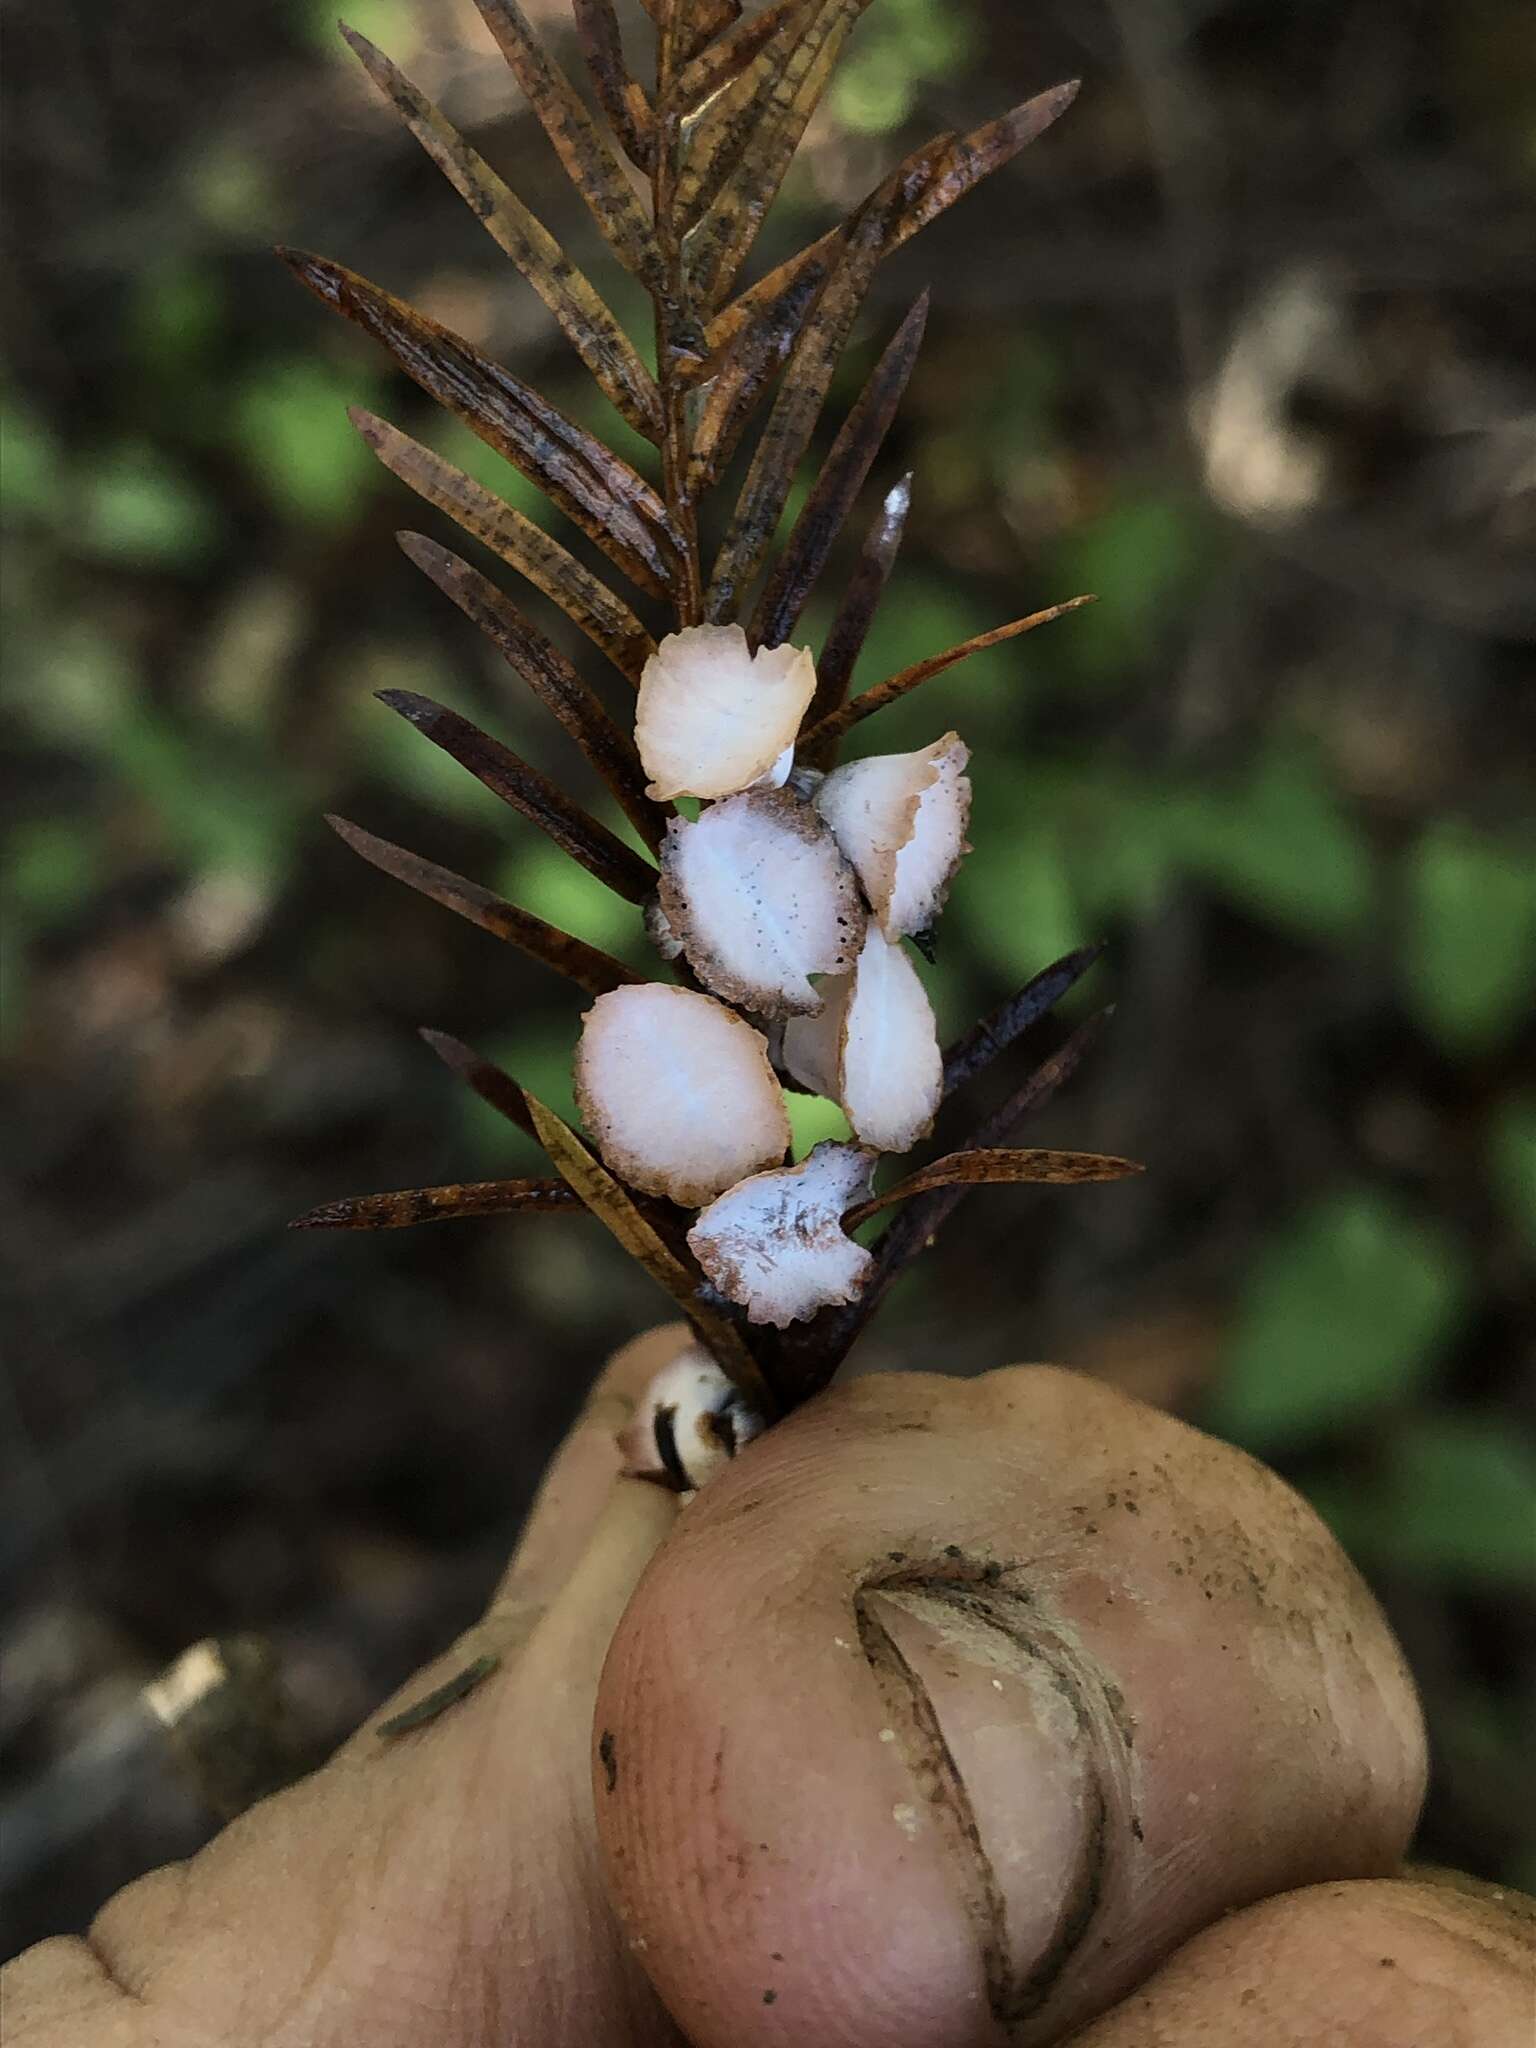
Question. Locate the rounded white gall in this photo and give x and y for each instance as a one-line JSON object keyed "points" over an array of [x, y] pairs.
{"points": [[890, 1067], [677, 1093], [761, 899], [775, 1243], [901, 819], [713, 717]]}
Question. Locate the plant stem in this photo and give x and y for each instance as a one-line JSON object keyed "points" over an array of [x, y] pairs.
{"points": [[674, 322]]}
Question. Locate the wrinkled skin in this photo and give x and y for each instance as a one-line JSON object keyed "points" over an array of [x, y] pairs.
{"points": [[955, 1713]]}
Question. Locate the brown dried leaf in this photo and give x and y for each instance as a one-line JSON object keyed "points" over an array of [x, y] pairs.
{"points": [[511, 778], [585, 321], [994, 1166], [549, 675], [726, 57], [760, 137], [605, 497], [792, 420], [850, 628], [936, 175], [408, 1206], [688, 25], [622, 100], [494, 1087], [841, 721], [590, 969], [975, 1052], [590, 164], [743, 372], [590, 605], [838, 483], [613, 1206]]}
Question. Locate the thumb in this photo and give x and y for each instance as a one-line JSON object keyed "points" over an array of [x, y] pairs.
{"points": [[953, 1706]]}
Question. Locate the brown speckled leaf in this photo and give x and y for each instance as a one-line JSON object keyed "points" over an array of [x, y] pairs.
{"points": [[404, 1207], [936, 175], [850, 627], [590, 969], [836, 723], [614, 1206], [589, 604], [627, 108], [838, 483], [726, 57], [979, 1047], [549, 675], [590, 484], [489, 1082], [743, 372], [511, 778], [756, 133], [590, 164], [584, 319], [995, 1166], [792, 419]]}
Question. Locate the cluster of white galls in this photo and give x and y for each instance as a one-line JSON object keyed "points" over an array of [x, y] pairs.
{"points": [[790, 896]]}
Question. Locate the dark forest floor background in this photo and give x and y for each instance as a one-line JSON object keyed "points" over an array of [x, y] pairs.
{"points": [[1245, 345]]}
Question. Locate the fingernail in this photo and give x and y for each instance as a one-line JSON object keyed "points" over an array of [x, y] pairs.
{"points": [[1019, 1758]]}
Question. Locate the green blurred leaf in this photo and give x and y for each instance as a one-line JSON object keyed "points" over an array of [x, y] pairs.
{"points": [[1460, 1500], [1470, 940], [1141, 557], [174, 318], [1278, 844], [51, 867], [31, 473], [1512, 1148], [1343, 1318], [135, 507], [1014, 899], [541, 878], [903, 44], [291, 418], [811, 1119]]}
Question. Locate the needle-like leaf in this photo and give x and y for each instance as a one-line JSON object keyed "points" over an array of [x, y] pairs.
{"points": [[490, 1083], [838, 483], [589, 604], [590, 969], [838, 722], [743, 372], [726, 57], [590, 484], [584, 319], [757, 134], [407, 1206], [627, 108], [975, 1052], [792, 420], [613, 1205], [938, 174], [850, 628], [993, 1166], [549, 675], [511, 778], [590, 164]]}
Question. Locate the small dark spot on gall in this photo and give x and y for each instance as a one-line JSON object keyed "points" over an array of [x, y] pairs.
{"points": [[953, 1550], [1090, 1528], [1388, 1963], [608, 1757], [1136, 1828], [769, 1997], [776, 1956], [991, 1573], [1131, 1508], [897, 1556], [1111, 1500]]}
